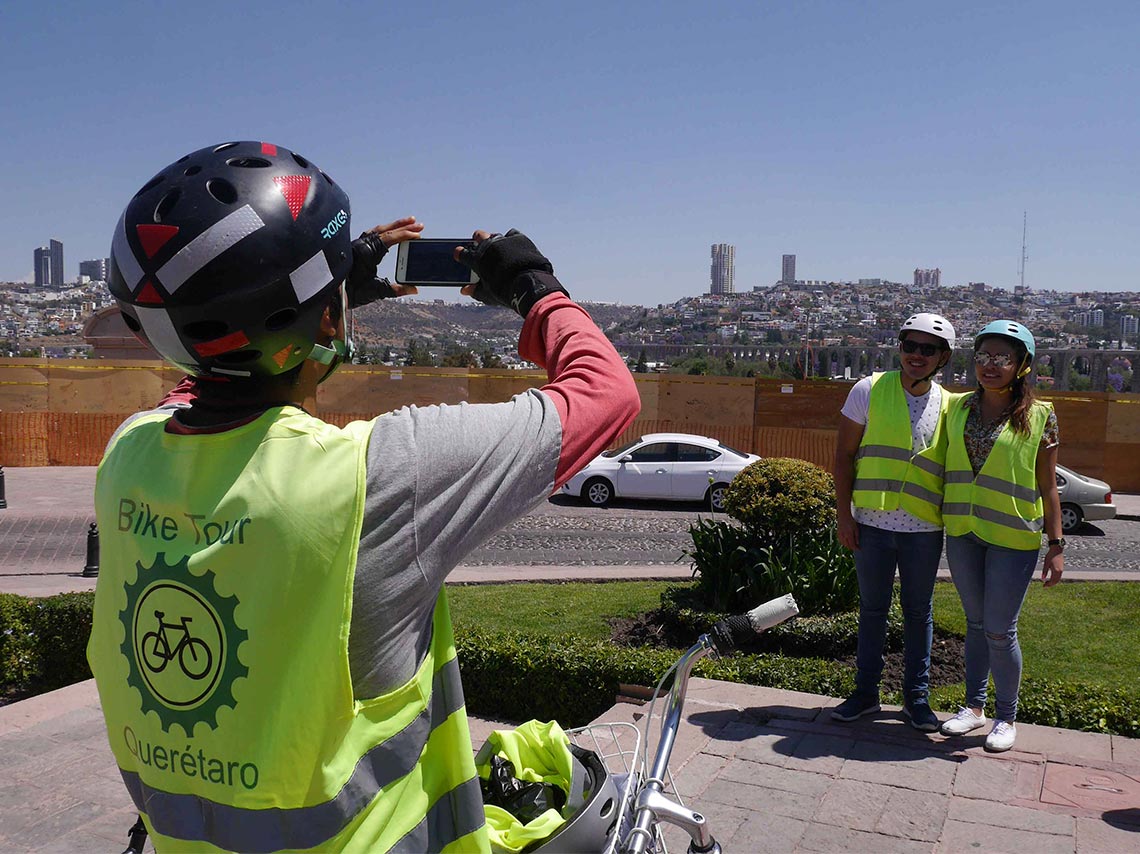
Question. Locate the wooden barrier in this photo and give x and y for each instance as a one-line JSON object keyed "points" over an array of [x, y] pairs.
{"points": [[62, 412]]}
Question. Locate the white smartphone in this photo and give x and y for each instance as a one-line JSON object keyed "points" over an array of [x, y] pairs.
{"points": [[430, 261]]}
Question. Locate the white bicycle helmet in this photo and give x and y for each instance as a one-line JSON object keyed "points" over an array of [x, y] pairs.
{"points": [[932, 324]]}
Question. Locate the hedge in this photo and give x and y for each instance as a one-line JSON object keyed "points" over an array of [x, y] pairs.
{"points": [[513, 676]]}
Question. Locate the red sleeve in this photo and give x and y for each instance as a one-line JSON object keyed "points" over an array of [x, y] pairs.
{"points": [[186, 391], [590, 384]]}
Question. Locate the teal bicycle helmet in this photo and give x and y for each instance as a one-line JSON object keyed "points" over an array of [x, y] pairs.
{"points": [[1009, 329]]}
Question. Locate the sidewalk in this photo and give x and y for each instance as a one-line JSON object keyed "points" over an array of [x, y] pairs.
{"points": [[769, 769]]}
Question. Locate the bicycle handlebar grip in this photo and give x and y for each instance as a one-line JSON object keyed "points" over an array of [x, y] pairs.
{"points": [[730, 633]]}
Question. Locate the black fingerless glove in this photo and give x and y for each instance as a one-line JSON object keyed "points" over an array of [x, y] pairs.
{"points": [[512, 272], [362, 285]]}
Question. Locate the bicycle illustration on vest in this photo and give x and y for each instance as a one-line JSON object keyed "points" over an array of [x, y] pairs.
{"points": [[193, 654]]}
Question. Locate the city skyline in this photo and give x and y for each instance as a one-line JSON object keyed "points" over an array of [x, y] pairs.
{"points": [[873, 139]]}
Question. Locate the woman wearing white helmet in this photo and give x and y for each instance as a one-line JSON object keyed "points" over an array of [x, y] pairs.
{"points": [[888, 485], [1001, 492]]}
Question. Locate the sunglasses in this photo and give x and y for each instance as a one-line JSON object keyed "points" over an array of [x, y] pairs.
{"points": [[927, 350], [998, 360]]}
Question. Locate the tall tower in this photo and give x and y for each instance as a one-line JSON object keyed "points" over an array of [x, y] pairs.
{"points": [[42, 266], [55, 249], [788, 270], [723, 268]]}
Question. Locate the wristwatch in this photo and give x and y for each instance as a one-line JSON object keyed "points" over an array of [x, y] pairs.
{"points": [[1059, 542]]}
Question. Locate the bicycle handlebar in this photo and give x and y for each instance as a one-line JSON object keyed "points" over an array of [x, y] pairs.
{"points": [[724, 637]]}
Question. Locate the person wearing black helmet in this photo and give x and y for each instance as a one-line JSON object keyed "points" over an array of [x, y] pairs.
{"points": [[1001, 495], [271, 642], [888, 488]]}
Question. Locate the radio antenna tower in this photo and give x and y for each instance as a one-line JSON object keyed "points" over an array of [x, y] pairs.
{"points": [[1024, 254]]}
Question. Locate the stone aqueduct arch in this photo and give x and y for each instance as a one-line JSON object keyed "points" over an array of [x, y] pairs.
{"points": [[829, 361]]}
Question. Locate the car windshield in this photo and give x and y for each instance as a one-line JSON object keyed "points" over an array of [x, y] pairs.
{"points": [[624, 449], [732, 450]]}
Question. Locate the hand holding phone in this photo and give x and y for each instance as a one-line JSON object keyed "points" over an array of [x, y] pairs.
{"points": [[431, 261]]}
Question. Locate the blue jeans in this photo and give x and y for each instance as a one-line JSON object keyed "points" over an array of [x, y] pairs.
{"points": [[992, 582], [916, 555]]}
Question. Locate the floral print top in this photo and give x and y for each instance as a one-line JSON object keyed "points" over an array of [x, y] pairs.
{"points": [[980, 437]]}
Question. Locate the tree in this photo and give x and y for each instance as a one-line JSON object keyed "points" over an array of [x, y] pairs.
{"points": [[459, 357], [490, 359], [417, 353], [642, 367]]}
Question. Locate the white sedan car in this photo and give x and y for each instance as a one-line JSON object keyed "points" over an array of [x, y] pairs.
{"points": [[661, 466], [1083, 498]]}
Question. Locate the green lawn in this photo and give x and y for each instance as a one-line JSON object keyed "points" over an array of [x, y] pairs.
{"points": [[1083, 631], [1078, 631]]}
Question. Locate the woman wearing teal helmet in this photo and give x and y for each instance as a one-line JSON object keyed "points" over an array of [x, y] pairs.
{"points": [[1001, 493]]}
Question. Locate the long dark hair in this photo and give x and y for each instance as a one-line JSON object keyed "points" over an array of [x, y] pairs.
{"points": [[1021, 395]]}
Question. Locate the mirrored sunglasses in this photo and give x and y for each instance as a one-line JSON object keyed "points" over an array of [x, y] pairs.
{"points": [[998, 360], [927, 350]]}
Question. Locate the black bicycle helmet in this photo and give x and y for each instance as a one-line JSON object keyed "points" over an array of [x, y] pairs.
{"points": [[225, 261]]}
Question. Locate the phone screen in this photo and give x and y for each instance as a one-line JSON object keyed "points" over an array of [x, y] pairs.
{"points": [[431, 262]]}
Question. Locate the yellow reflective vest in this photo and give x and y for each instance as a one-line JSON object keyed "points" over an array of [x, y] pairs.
{"points": [[220, 651], [889, 475], [1002, 505]]}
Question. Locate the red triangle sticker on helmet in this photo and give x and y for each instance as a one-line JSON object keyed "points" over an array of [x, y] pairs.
{"points": [[154, 237], [269, 149], [294, 188], [148, 295]]}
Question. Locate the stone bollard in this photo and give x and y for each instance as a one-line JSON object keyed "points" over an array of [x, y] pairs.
{"points": [[92, 568], [3, 501]]}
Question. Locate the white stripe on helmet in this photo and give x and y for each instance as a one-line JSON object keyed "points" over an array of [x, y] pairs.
{"points": [[207, 246], [311, 277]]}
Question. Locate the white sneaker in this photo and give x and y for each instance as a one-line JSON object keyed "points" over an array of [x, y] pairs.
{"points": [[963, 722], [1001, 736]]}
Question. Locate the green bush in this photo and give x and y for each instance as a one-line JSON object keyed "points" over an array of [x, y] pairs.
{"points": [[778, 496], [737, 570], [517, 677], [43, 642], [1068, 705]]}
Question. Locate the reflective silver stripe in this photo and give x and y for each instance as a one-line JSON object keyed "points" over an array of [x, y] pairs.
{"points": [[877, 484], [1006, 520], [196, 819], [129, 267], [929, 466], [890, 452], [959, 476], [1006, 487], [208, 245], [454, 815], [922, 493]]}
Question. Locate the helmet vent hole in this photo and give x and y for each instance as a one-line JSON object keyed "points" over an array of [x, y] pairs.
{"points": [[132, 324], [327, 178], [166, 205], [607, 808], [280, 319], [183, 158], [193, 170], [222, 190], [301, 161], [150, 185], [239, 357], [248, 162], [205, 330], [224, 146]]}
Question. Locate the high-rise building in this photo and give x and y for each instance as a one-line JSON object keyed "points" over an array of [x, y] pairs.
{"points": [[723, 268], [788, 270], [55, 248], [928, 278], [49, 264], [95, 270], [1129, 326]]}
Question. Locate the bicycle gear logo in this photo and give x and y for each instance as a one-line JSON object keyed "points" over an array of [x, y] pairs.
{"points": [[181, 644]]}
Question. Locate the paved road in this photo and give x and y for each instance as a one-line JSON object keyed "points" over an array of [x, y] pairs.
{"points": [[565, 532], [45, 526]]}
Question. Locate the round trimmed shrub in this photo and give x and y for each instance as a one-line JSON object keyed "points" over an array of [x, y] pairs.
{"points": [[777, 496]]}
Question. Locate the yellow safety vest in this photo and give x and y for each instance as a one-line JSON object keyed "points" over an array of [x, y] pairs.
{"points": [[888, 474], [1002, 505], [220, 651]]}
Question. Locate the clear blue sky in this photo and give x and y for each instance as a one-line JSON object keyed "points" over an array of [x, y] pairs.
{"points": [[625, 138]]}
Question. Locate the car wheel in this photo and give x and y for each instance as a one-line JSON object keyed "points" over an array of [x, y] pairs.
{"points": [[598, 491], [1071, 517], [715, 496]]}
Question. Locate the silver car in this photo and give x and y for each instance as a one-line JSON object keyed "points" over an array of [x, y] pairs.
{"points": [[661, 466], [1083, 499]]}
